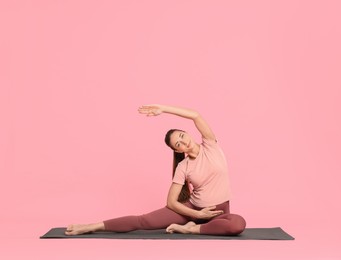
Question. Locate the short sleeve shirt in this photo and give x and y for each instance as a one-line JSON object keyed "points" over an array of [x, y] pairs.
{"points": [[207, 173]]}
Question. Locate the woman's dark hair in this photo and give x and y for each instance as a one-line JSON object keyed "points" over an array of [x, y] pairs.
{"points": [[177, 158]]}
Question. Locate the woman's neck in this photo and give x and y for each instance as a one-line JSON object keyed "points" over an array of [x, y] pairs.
{"points": [[194, 152]]}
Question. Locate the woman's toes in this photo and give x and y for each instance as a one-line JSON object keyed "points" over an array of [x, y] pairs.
{"points": [[170, 228], [75, 230], [69, 230]]}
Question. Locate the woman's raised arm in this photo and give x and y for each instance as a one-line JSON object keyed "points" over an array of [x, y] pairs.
{"points": [[200, 123]]}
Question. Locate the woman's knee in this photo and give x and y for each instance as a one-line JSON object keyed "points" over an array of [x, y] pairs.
{"points": [[237, 226], [239, 223]]}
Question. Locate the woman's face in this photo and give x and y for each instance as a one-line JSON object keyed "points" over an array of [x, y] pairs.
{"points": [[181, 142]]}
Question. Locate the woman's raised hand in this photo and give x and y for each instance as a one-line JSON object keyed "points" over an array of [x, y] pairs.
{"points": [[150, 110]]}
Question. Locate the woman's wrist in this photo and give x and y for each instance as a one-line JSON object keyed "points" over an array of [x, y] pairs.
{"points": [[163, 108], [179, 111], [197, 214]]}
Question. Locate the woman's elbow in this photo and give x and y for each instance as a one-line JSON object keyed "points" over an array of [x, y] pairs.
{"points": [[195, 115], [170, 204]]}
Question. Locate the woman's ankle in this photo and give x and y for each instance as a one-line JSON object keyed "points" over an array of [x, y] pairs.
{"points": [[194, 229], [96, 227]]}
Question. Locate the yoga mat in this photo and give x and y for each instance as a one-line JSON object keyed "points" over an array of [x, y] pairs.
{"points": [[249, 234]]}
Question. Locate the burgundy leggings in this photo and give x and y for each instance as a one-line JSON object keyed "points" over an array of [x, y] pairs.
{"points": [[225, 224]]}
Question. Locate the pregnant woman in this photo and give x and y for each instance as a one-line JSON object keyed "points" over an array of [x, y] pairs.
{"points": [[198, 200]]}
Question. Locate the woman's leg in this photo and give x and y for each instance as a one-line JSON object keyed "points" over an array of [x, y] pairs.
{"points": [[154, 220], [225, 224], [192, 227]]}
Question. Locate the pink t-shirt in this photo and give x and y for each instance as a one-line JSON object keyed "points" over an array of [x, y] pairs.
{"points": [[208, 175]]}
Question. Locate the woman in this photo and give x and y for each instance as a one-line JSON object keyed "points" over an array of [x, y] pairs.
{"points": [[204, 210]]}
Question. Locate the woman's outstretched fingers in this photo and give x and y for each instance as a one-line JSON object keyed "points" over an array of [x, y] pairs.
{"points": [[150, 110]]}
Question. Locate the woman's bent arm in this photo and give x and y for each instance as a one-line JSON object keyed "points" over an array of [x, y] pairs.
{"points": [[173, 204]]}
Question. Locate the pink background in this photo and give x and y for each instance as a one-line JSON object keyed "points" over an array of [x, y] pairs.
{"points": [[265, 75]]}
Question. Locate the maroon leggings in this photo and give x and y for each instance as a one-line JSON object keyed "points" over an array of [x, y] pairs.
{"points": [[225, 224]]}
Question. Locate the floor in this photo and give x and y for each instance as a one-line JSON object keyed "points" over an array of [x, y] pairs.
{"points": [[307, 245]]}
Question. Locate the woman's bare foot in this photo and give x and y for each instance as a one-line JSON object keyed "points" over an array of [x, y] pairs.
{"points": [[189, 228], [78, 229]]}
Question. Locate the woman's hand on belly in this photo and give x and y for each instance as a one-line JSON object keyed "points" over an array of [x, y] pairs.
{"points": [[209, 212]]}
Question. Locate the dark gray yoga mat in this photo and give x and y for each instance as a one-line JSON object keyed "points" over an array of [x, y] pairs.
{"points": [[249, 234]]}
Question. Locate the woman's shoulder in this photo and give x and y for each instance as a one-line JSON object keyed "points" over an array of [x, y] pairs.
{"points": [[183, 163], [209, 142]]}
